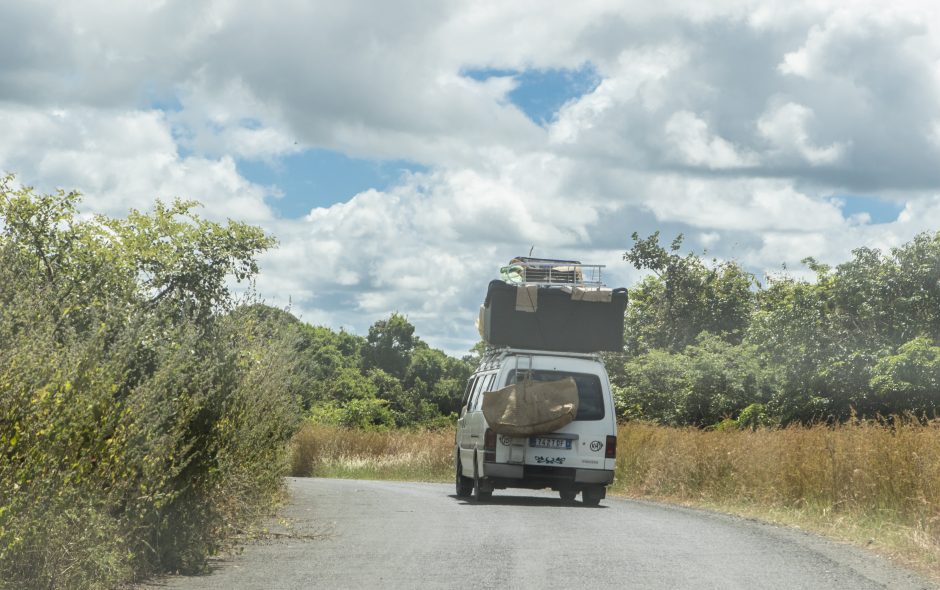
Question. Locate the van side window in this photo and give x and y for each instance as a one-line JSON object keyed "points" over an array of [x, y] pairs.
{"points": [[488, 382], [472, 404], [485, 384], [466, 394]]}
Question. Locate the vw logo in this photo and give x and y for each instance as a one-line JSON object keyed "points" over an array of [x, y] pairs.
{"points": [[596, 445], [505, 440]]}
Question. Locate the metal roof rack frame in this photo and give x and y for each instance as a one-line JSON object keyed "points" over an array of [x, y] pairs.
{"points": [[494, 355], [548, 272]]}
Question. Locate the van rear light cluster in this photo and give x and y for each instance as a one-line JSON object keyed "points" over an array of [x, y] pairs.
{"points": [[489, 446], [610, 450]]}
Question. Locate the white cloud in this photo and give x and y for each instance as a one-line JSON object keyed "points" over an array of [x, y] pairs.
{"points": [[733, 122], [740, 205], [230, 120], [690, 137], [785, 127], [634, 81], [120, 160]]}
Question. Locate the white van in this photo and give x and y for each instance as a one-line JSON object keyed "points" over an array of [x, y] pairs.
{"points": [[577, 458]]}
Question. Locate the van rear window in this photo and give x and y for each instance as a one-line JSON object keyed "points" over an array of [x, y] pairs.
{"points": [[590, 395]]}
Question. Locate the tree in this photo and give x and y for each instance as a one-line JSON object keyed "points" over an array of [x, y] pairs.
{"points": [[909, 380], [186, 259], [427, 364], [791, 332], [707, 382], [389, 345], [684, 298]]}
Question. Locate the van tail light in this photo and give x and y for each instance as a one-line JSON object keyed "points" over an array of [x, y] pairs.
{"points": [[610, 451], [489, 445]]}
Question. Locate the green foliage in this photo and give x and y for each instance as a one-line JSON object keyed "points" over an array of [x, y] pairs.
{"points": [[140, 423], [909, 380], [390, 378], [366, 413], [704, 342], [389, 345], [753, 417], [339, 381], [182, 257], [708, 381], [684, 297]]}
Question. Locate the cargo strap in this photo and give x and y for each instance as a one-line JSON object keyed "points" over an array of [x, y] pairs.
{"points": [[527, 298]]}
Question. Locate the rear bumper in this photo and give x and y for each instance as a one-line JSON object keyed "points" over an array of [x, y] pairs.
{"points": [[593, 476], [542, 476]]}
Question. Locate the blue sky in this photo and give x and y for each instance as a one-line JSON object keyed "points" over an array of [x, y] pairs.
{"points": [[880, 210], [539, 93], [322, 177]]}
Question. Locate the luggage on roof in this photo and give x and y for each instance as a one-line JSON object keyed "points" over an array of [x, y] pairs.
{"points": [[549, 271], [542, 270], [570, 318]]}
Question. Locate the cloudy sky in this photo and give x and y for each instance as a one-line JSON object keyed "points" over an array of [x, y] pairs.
{"points": [[402, 151]]}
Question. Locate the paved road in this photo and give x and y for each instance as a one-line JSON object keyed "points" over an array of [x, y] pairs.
{"points": [[369, 534]]}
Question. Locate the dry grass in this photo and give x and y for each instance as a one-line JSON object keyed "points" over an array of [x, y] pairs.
{"points": [[865, 482], [407, 455]]}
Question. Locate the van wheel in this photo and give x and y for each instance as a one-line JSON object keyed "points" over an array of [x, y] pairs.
{"points": [[592, 496], [568, 496], [464, 484], [478, 494]]}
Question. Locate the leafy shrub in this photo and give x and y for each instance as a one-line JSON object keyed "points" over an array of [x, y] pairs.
{"points": [[140, 423], [703, 341], [707, 382]]}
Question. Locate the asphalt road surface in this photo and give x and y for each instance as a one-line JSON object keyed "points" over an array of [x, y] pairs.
{"points": [[372, 534]]}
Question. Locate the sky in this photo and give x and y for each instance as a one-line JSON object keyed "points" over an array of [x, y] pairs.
{"points": [[401, 152]]}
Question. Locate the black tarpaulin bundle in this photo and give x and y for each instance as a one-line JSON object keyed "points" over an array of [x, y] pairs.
{"points": [[570, 319]]}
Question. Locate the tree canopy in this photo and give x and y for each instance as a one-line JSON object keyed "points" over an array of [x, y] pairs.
{"points": [[860, 338]]}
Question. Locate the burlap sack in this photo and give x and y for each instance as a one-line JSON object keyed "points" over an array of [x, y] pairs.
{"points": [[531, 407]]}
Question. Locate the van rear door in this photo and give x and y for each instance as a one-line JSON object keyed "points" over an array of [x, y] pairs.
{"points": [[579, 444]]}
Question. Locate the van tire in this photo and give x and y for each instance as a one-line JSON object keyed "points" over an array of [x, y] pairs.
{"points": [[568, 496], [592, 496], [464, 483], [478, 494]]}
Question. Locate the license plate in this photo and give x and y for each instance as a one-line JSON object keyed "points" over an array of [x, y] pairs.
{"points": [[550, 443]]}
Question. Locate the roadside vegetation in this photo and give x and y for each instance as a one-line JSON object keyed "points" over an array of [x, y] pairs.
{"points": [[875, 483], [320, 450], [389, 378], [707, 344], [143, 417]]}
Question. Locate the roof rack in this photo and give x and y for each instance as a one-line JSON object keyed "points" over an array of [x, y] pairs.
{"points": [[493, 356], [551, 272]]}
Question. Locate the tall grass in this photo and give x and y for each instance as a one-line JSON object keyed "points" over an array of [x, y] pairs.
{"points": [[865, 481], [331, 451], [892, 470], [870, 482]]}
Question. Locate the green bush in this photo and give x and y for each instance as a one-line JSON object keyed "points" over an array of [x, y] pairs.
{"points": [[705, 340], [140, 422], [707, 382]]}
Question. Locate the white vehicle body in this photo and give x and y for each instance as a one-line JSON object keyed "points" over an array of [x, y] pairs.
{"points": [[579, 457]]}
